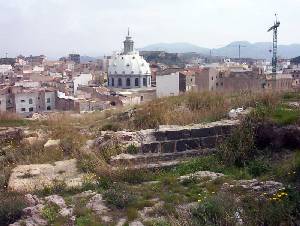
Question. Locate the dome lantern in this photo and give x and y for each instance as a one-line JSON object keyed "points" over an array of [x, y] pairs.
{"points": [[128, 44]]}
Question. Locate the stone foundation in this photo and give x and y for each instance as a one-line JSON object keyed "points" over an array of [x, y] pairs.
{"points": [[170, 139], [9, 134], [170, 143]]}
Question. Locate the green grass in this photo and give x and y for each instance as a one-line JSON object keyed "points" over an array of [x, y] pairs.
{"points": [[291, 96], [50, 213], [14, 122], [87, 220], [284, 116]]}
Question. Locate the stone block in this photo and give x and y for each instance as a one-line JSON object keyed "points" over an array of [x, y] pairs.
{"points": [[202, 132], [150, 148], [159, 135], [209, 142], [178, 134], [168, 147], [228, 129], [192, 144], [181, 146]]}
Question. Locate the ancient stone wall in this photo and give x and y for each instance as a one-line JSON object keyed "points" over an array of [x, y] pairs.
{"points": [[7, 134], [172, 139]]}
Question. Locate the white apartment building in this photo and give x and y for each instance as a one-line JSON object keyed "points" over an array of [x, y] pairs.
{"points": [[5, 68], [34, 100], [50, 97], [27, 102], [167, 84], [81, 80]]}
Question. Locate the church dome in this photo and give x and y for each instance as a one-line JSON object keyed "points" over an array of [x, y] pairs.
{"points": [[128, 64]]}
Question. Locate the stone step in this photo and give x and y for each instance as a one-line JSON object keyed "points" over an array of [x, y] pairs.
{"points": [[155, 158], [150, 166], [181, 145], [172, 133]]}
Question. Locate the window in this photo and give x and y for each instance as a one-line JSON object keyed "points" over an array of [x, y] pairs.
{"points": [[22, 101], [221, 83], [217, 84], [48, 100], [136, 82], [23, 109], [31, 109], [142, 98], [212, 78], [112, 82], [48, 108], [128, 82], [119, 82], [144, 82], [30, 101]]}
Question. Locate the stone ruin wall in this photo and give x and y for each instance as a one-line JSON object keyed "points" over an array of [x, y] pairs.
{"points": [[174, 139]]}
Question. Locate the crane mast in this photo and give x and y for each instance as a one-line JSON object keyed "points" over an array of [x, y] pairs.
{"points": [[275, 39]]}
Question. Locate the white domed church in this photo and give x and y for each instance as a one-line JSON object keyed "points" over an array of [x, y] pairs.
{"points": [[128, 70]]}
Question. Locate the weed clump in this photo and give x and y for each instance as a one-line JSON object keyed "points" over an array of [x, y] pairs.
{"points": [[239, 147], [11, 206], [119, 196]]}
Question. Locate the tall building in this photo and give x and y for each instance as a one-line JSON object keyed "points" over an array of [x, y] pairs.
{"points": [[128, 70], [75, 58]]}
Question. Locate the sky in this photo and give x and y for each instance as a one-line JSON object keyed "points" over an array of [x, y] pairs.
{"points": [[97, 27]]}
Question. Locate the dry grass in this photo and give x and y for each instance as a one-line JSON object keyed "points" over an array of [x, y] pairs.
{"points": [[194, 108], [9, 116]]}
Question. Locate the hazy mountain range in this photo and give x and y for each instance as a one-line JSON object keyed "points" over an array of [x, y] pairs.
{"points": [[251, 50]]}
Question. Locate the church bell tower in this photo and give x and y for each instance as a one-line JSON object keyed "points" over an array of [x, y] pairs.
{"points": [[128, 44]]}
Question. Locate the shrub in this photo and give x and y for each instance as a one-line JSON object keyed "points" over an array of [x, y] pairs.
{"points": [[226, 209], [105, 182], [132, 149], [131, 213], [11, 205], [132, 176], [119, 196], [50, 212], [272, 212], [216, 210], [87, 219], [258, 167], [56, 187], [110, 127], [239, 147], [158, 223]]}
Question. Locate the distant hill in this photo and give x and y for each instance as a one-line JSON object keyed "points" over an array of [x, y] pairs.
{"points": [[296, 60], [252, 50], [180, 47]]}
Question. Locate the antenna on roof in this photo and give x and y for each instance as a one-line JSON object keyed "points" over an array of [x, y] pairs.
{"points": [[128, 32]]}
